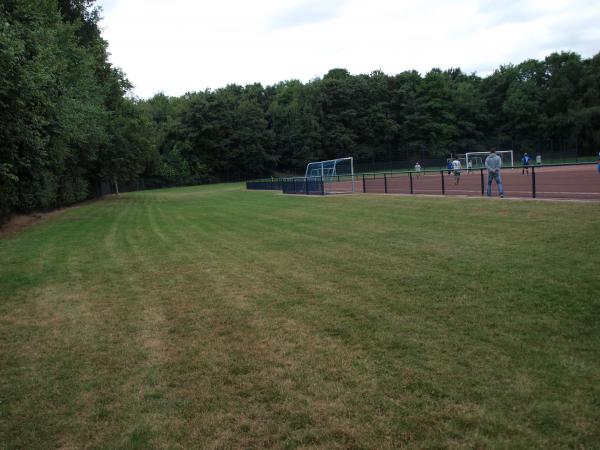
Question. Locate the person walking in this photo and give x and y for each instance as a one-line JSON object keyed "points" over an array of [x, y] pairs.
{"points": [[493, 164], [525, 160], [449, 166], [418, 169], [456, 167]]}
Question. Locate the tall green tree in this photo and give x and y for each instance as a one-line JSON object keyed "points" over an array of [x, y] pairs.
{"points": [[59, 101]]}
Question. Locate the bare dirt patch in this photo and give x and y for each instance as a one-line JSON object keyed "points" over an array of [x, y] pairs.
{"points": [[20, 222]]}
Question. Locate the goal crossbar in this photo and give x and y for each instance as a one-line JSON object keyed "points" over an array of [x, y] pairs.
{"points": [[470, 155], [334, 173]]}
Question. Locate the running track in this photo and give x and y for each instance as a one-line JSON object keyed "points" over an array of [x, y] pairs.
{"points": [[581, 182]]}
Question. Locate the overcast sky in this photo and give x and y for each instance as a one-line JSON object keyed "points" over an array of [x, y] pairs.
{"points": [[179, 46]]}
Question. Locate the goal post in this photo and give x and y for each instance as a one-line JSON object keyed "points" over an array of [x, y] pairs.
{"points": [[337, 174], [479, 157], [472, 162]]}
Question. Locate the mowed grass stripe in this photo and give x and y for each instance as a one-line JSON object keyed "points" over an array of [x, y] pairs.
{"points": [[240, 359], [446, 294], [214, 317]]}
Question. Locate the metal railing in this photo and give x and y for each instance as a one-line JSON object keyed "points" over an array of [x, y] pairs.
{"points": [[568, 180]]}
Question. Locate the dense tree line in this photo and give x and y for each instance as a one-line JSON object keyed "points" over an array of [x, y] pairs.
{"points": [[240, 132], [68, 128], [65, 124]]}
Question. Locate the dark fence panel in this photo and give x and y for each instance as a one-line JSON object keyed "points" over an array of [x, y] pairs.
{"points": [[268, 184], [301, 185], [103, 188]]}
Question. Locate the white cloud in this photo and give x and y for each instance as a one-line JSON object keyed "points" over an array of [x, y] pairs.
{"points": [[185, 45], [306, 12]]}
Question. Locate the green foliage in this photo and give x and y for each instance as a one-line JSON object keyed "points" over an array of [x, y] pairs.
{"points": [[295, 123], [61, 107], [238, 132], [228, 132], [67, 125]]}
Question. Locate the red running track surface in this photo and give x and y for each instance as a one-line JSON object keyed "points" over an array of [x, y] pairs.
{"points": [[581, 182]]}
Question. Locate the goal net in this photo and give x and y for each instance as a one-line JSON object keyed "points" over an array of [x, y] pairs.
{"points": [[472, 163], [477, 159], [337, 175]]}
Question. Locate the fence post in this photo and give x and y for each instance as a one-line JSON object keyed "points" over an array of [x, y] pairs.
{"points": [[411, 185], [443, 187], [364, 184], [533, 191], [322, 186], [384, 183], [306, 185], [482, 187]]}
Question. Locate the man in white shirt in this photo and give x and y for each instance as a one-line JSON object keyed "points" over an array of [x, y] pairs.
{"points": [[456, 167], [418, 169]]}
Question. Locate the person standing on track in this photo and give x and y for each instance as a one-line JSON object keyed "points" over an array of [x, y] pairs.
{"points": [[525, 160], [449, 166], [493, 164], [418, 170], [456, 168]]}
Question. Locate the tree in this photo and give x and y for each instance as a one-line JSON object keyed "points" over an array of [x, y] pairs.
{"points": [[60, 100], [295, 124], [126, 154], [438, 122]]}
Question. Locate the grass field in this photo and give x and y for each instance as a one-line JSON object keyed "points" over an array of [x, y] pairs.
{"points": [[214, 317]]}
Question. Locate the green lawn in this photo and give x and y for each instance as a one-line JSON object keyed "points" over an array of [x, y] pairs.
{"points": [[214, 317]]}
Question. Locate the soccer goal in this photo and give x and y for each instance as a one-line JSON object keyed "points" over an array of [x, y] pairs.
{"points": [[477, 159], [337, 175], [471, 163]]}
